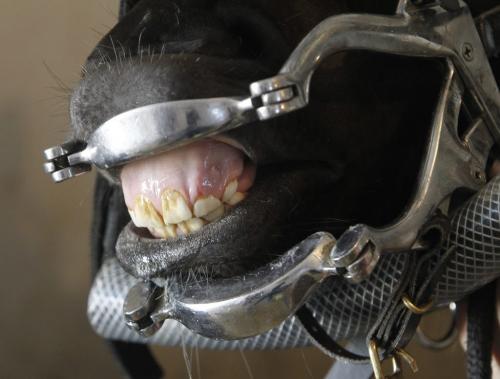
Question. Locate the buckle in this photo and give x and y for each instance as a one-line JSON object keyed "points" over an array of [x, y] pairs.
{"points": [[396, 358]]}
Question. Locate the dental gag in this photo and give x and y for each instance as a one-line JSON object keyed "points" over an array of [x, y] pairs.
{"points": [[266, 298]]}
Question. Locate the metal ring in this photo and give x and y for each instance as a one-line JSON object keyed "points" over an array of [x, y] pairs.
{"points": [[447, 339], [419, 310]]}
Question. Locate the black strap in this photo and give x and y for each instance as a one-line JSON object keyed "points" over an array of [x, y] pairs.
{"points": [[348, 370], [396, 324], [480, 332], [323, 341], [136, 360]]}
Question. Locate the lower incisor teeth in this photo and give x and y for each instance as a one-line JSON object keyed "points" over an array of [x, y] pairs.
{"points": [[167, 231], [216, 214], [194, 224], [236, 198], [182, 229], [205, 205]]}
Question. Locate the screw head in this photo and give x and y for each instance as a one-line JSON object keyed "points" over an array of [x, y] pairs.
{"points": [[467, 51]]}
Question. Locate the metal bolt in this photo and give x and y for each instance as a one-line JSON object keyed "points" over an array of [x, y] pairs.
{"points": [[479, 175], [467, 51]]}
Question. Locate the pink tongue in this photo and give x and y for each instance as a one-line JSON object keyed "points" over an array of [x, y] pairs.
{"points": [[200, 169]]}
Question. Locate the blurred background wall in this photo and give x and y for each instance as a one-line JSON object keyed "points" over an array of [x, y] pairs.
{"points": [[44, 264]]}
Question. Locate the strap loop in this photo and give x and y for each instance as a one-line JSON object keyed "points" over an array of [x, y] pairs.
{"points": [[418, 310]]}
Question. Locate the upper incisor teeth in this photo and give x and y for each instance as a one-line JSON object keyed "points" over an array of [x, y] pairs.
{"points": [[174, 206], [145, 214], [205, 205], [230, 191], [177, 215], [236, 198]]}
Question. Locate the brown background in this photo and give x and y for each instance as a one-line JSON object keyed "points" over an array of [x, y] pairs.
{"points": [[44, 266]]}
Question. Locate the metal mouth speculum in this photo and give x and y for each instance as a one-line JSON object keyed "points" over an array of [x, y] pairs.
{"points": [[453, 159]]}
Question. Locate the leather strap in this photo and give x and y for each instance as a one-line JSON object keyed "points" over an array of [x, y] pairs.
{"points": [[327, 345], [396, 324], [135, 360]]}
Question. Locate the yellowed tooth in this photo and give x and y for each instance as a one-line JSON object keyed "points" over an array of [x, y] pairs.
{"points": [[230, 190], [145, 214], [174, 206], [215, 215], [194, 224], [167, 231], [132, 216], [205, 205], [182, 229], [236, 198]]}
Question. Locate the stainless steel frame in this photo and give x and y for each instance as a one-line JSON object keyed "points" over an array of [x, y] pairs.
{"points": [[452, 161]]}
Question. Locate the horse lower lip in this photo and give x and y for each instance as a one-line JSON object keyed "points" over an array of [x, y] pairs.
{"points": [[233, 239]]}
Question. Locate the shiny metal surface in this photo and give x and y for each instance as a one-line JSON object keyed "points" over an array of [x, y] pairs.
{"points": [[149, 130], [419, 31], [240, 307], [262, 300], [451, 162]]}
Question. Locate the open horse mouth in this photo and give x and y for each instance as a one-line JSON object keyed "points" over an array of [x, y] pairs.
{"points": [[180, 191], [387, 146], [200, 205], [234, 201]]}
